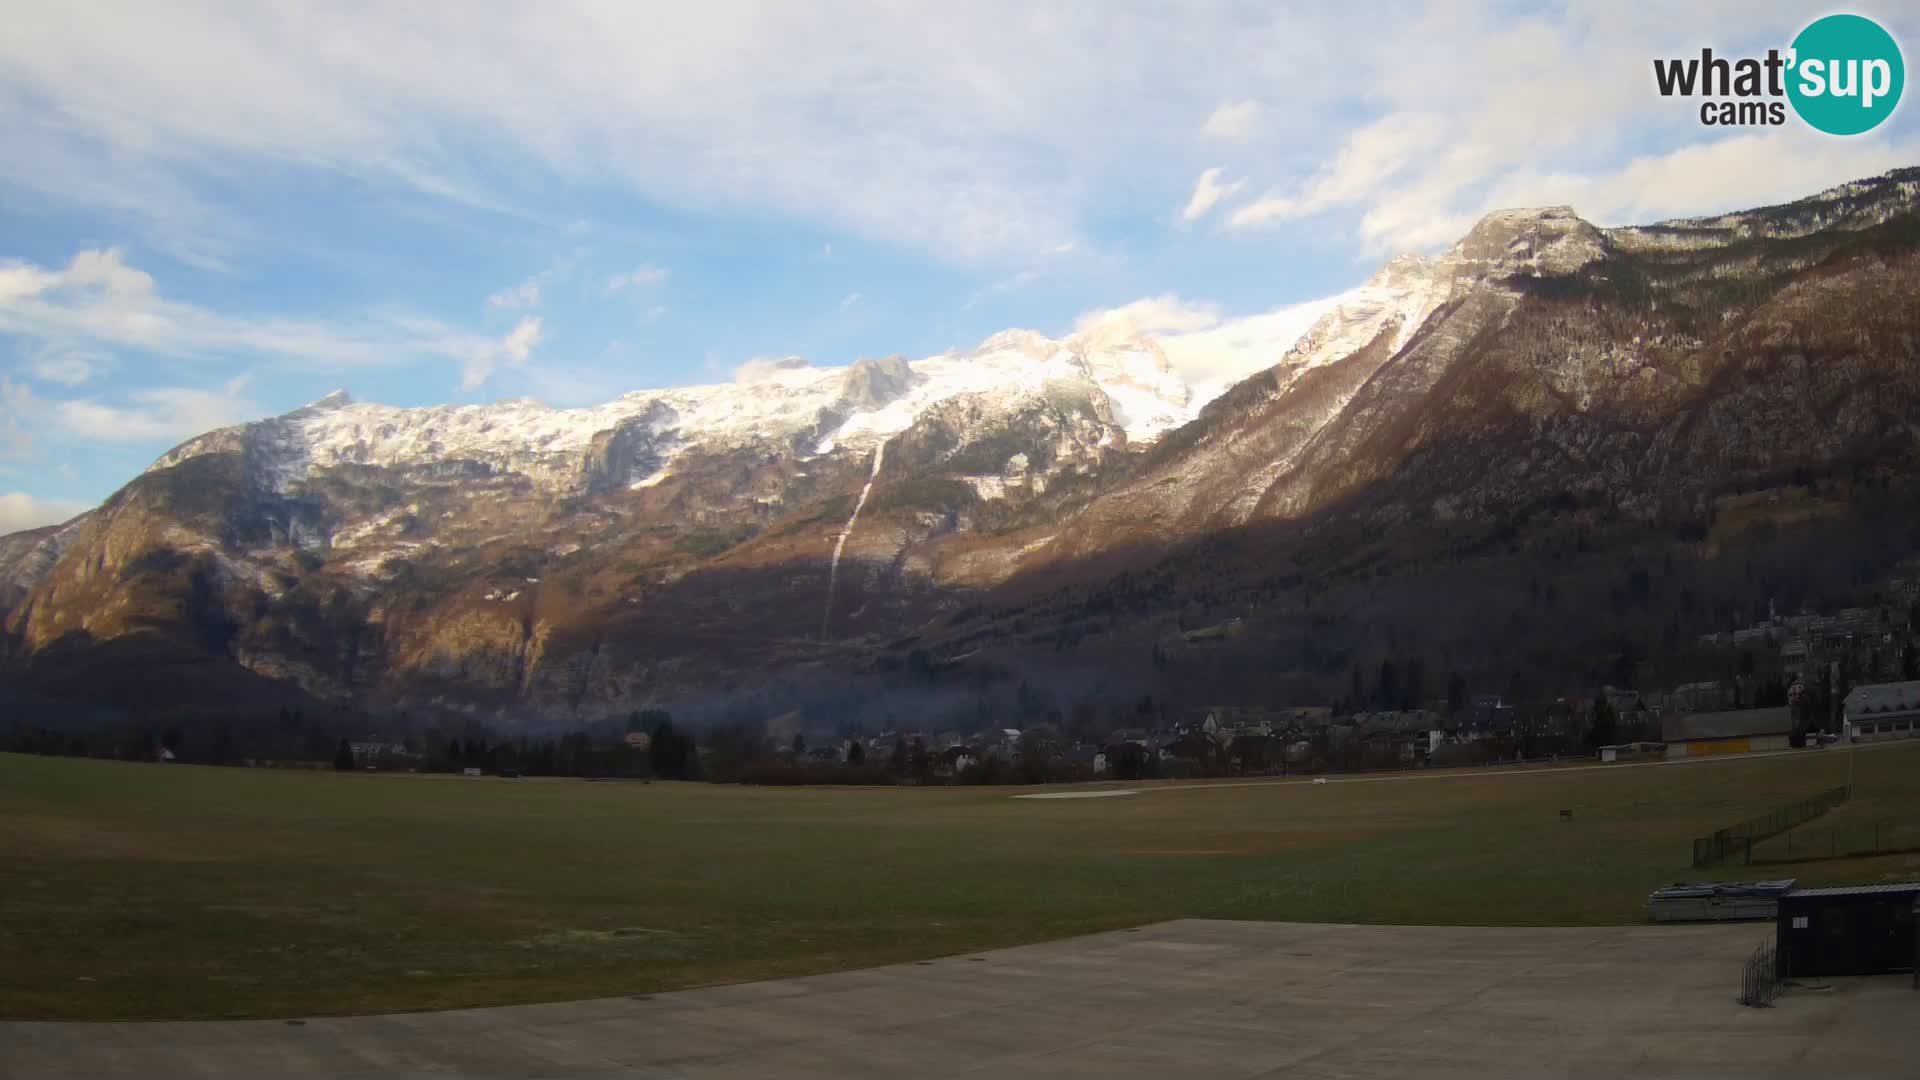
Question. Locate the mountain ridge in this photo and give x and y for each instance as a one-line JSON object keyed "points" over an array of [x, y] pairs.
{"points": [[553, 562]]}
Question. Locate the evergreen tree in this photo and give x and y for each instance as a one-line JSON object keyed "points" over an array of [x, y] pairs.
{"points": [[1605, 724], [671, 751]]}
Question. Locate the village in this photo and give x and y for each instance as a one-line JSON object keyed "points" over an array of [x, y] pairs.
{"points": [[1792, 681]]}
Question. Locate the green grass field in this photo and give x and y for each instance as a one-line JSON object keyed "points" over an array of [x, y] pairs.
{"points": [[148, 891]]}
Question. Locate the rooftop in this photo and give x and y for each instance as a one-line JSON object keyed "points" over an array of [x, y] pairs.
{"points": [[1883, 698], [1727, 725], [1859, 890]]}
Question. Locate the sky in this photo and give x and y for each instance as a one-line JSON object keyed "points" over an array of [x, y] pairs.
{"points": [[215, 212]]}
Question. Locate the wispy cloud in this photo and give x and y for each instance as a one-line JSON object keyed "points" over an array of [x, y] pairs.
{"points": [[1011, 283], [979, 133], [937, 131], [849, 300], [19, 510], [1164, 314], [524, 295], [1558, 111], [761, 368], [99, 300], [643, 276], [68, 367], [158, 413], [19, 410], [514, 349], [1208, 191], [1209, 350], [1370, 159], [1234, 120]]}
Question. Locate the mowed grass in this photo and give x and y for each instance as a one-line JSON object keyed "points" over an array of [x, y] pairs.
{"points": [[135, 891]]}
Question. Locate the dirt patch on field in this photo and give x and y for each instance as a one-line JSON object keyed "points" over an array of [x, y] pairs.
{"points": [[1255, 841], [69, 838]]}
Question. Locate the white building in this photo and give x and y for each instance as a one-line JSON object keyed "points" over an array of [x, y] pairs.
{"points": [[1883, 711]]}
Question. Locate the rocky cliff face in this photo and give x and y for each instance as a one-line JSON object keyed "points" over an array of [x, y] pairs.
{"points": [[562, 562]]}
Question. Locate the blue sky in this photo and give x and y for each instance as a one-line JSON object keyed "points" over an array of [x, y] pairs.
{"points": [[216, 212]]}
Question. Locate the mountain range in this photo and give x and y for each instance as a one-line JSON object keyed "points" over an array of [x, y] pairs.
{"points": [[1554, 452]]}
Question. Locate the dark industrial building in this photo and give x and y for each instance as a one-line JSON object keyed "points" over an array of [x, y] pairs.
{"points": [[1852, 930]]}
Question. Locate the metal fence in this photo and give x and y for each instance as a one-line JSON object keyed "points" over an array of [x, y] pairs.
{"points": [[1760, 980], [1740, 838], [1855, 838]]}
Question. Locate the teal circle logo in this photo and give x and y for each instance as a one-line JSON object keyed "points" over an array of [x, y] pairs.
{"points": [[1846, 75]]}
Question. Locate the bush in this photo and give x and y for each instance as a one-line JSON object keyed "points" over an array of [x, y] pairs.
{"points": [[986, 770], [775, 773]]}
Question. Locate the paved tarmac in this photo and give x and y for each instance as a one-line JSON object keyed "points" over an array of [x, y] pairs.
{"points": [[1189, 998]]}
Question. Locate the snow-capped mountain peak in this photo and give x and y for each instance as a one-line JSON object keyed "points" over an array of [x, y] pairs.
{"points": [[1129, 375]]}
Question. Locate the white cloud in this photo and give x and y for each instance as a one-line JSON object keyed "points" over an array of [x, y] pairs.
{"points": [[19, 411], [643, 276], [48, 168], [514, 349], [849, 300], [761, 368], [1369, 158], [520, 342], [68, 367], [1207, 193], [1209, 351], [974, 132], [599, 380], [979, 133], [105, 271], [1235, 120], [1212, 358], [99, 301], [1165, 314], [1763, 168], [1011, 283], [1558, 109], [19, 511], [524, 295], [158, 413], [1268, 209]]}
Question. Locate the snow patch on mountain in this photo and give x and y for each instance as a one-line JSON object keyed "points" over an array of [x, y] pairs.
{"points": [[1401, 296], [1129, 376]]}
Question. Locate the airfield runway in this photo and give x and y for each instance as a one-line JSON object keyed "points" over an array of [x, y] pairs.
{"points": [[1187, 998]]}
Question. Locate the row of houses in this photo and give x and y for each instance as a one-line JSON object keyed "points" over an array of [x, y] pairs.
{"points": [[1803, 640], [1872, 713], [1689, 721]]}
